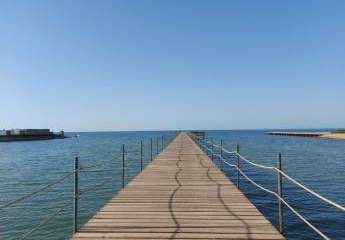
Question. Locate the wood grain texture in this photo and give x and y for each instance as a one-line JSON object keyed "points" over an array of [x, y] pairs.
{"points": [[180, 195]]}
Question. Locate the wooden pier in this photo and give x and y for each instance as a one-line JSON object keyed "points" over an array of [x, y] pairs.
{"points": [[180, 195]]}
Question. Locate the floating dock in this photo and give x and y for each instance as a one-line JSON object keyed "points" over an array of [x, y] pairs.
{"points": [[181, 195]]}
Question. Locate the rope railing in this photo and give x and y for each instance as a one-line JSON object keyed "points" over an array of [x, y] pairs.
{"points": [[44, 222], [160, 143], [253, 163], [280, 198], [46, 187], [209, 146]]}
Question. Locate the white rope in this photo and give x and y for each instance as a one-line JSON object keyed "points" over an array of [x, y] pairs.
{"points": [[217, 146], [276, 195], [283, 201], [311, 191], [226, 151], [303, 219], [45, 221], [254, 164], [36, 191], [338, 206], [231, 165]]}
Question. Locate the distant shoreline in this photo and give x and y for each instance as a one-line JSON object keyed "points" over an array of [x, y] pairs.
{"points": [[334, 135]]}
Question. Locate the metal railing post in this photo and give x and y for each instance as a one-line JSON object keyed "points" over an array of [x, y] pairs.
{"points": [[123, 165], [212, 149], [75, 195], [206, 146], [238, 165], [157, 145], [221, 153], [151, 150], [141, 155], [162, 143], [280, 193]]}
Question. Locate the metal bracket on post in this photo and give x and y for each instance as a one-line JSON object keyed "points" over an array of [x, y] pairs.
{"points": [[280, 193], [123, 165], [238, 165], [75, 195]]}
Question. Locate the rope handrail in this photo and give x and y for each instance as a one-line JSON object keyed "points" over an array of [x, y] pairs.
{"points": [[102, 163], [226, 151], [311, 191], [77, 194], [281, 199], [44, 222], [51, 184], [326, 200], [93, 187], [98, 170], [22, 198], [253, 163], [292, 180]]}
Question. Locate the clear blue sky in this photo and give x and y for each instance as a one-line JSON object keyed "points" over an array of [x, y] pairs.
{"points": [[141, 65]]}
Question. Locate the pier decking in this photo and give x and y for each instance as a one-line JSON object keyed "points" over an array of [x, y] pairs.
{"points": [[180, 195]]}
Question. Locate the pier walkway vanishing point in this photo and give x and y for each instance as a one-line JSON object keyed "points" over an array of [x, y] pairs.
{"points": [[180, 195]]}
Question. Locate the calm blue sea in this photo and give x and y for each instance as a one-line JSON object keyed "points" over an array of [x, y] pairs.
{"points": [[27, 166]]}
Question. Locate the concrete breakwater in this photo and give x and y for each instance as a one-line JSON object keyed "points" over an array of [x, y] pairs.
{"points": [[29, 135], [310, 134]]}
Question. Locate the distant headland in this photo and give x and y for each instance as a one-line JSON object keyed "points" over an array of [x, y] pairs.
{"points": [[29, 135]]}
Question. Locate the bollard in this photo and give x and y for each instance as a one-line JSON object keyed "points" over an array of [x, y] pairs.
{"points": [[141, 155], [123, 165], [75, 195], [280, 193], [238, 165]]}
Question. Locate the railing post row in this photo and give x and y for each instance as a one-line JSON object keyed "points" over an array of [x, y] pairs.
{"points": [[75, 195], [238, 165], [280, 193], [123, 165]]}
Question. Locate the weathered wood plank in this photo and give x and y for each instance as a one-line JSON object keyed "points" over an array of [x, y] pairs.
{"points": [[180, 195]]}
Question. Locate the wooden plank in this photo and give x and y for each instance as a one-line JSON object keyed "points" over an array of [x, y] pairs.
{"points": [[180, 195]]}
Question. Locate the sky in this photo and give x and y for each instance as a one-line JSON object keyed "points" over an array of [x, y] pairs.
{"points": [[157, 65]]}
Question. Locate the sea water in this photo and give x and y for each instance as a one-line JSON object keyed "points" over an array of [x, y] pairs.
{"points": [[26, 166]]}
